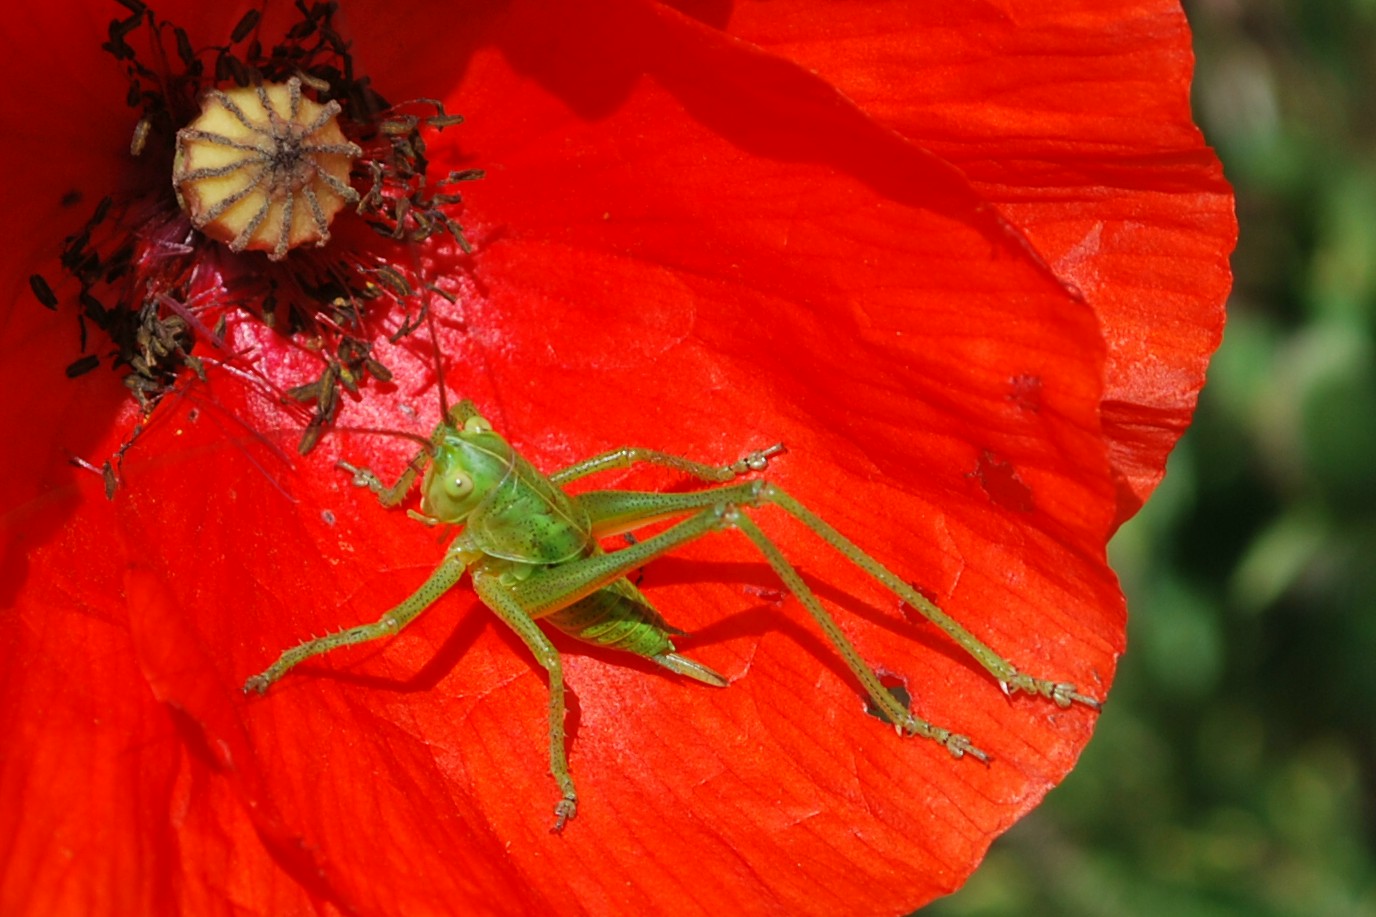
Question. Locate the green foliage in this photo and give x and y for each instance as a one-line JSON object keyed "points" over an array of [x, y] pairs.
{"points": [[1234, 771]]}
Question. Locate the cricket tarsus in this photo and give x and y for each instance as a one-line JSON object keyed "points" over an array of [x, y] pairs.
{"points": [[533, 551], [564, 812]]}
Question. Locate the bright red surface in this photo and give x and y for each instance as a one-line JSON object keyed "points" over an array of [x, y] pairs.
{"points": [[969, 269]]}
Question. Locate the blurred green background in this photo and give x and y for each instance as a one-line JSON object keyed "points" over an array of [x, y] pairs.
{"points": [[1234, 771]]}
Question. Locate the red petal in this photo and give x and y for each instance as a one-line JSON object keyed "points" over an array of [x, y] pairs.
{"points": [[1075, 121], [686, 244], [589, 326]]}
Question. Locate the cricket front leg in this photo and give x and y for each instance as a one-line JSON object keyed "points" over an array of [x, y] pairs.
{"points": [[632, 455], [391, 496]]}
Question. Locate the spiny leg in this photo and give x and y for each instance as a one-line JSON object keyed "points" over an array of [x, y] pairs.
{"points": [[619, 510], [441, 581], [558, 587], [1062, 693], [626, 457], [958, 745], [500, 599]]}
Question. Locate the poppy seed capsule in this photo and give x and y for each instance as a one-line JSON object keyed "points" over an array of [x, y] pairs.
{"points": [[264, 168]]}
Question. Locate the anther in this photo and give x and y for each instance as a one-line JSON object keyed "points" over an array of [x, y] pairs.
{"points": [[264, 168]]}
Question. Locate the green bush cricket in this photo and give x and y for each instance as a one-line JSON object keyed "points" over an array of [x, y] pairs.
{"points": [[534, 552]]}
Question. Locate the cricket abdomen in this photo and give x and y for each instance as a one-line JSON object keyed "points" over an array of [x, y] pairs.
{"points": [[619, 617], [616, 616]]}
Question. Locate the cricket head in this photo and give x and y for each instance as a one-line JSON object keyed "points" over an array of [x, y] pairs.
{"points": [[469, 461]]}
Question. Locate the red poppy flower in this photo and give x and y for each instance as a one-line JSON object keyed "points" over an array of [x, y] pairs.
{"points": [[968, 267]]}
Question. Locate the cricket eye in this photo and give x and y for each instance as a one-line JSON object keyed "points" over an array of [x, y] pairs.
{"points": [[458, 486]]}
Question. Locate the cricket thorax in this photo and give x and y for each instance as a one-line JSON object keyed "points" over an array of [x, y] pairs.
{"points": [[526, 518]]}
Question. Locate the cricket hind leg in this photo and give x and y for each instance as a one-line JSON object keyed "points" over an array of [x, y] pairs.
{"points": [[893, 709], [1012, 679], [717, 509]]}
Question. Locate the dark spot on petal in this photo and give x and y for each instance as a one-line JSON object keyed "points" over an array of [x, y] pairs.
{"points": [[1001, 482]]}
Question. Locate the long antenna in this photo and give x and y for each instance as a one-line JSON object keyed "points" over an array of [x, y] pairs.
{"points": [[439, 358], [427, 298], [379, 431]]}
